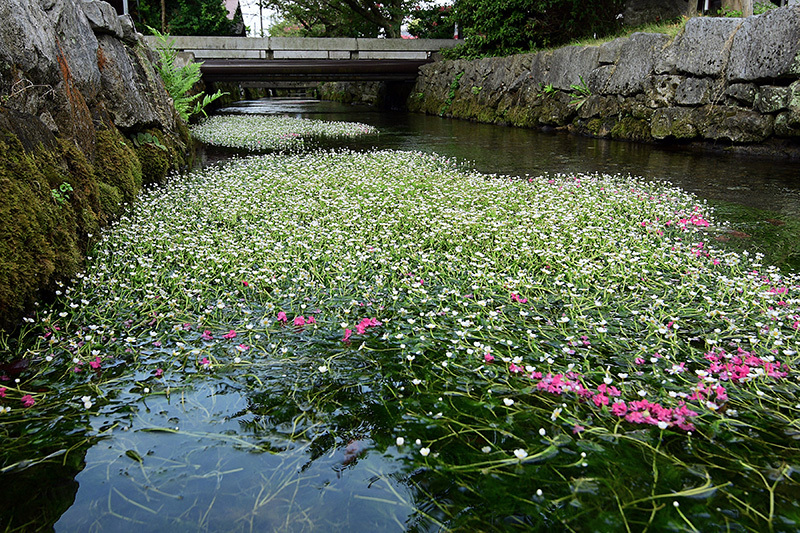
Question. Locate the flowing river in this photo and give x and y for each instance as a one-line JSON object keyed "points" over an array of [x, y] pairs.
{"points": [[287, 444]]}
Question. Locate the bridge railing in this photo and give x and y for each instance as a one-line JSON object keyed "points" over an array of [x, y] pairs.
{"points": [[203, 48]]}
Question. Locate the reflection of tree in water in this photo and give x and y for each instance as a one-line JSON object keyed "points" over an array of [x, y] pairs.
{"points": [[34, 497]]}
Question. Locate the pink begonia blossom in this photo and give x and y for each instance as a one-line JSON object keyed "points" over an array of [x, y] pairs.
{"points": [[3, 392], [205, 362], [299, 321], [488, 357], [619, 408], [159, 372], [27, 400], [577, 428], [96, 363], [230, 335], [206, 336], [347, 333], [282, 317]]}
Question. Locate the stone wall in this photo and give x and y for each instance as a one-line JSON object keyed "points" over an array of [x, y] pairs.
{"points": [[732, 82], [77, 87]]}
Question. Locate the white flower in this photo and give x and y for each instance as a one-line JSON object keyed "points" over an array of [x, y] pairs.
{"points": [[542, 432], [400, 441], [520, 453], [424, 452], [322, 369], [486, 449], [508, 401]]}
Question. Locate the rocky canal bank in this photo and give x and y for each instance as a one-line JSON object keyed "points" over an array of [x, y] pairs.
{"points": [[723, 81], [85, 122]]}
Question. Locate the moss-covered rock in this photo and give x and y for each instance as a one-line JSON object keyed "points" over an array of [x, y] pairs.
{"points": [[117, 165]]}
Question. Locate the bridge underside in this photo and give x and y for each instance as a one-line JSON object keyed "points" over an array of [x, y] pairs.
{"points": [[308, 70]]}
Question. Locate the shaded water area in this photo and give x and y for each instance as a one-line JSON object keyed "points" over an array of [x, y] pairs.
{"points": [[283, 446]]}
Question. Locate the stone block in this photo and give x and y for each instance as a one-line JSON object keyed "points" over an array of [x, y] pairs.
{"points": [[569, 64], [771, 99], [767, 46], [673, 122], [129, 34], [636, 62], [659, 91], [744, 93], [735, 124], [102, 17], [703, 47], [609, 52], [693, 92]]}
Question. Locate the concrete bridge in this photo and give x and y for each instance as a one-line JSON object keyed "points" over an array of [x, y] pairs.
{"points": [[304, 59]]}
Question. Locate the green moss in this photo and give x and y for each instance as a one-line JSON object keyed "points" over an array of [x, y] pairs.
{"points": [[110, 200], [116, 164], [632, 129], [38, 236], [593, 126], [154, 162]]}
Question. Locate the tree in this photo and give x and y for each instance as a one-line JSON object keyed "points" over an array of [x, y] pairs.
{"points": [[503, 27], [344, 18], [183, 17]]}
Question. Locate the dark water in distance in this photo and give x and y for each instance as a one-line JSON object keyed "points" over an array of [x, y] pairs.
{"points": [[761, 183]]}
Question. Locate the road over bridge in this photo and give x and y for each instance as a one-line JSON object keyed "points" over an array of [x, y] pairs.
{"points": [[305, 59]]}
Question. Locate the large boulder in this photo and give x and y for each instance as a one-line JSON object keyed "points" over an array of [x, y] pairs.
{"points": [[703, 47], [636, 62], [766, 46]]}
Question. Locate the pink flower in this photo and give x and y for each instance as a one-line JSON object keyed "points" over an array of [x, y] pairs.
{"points": [[206, 336], [577, 428], [159, 372], [619, 408], [95, 364], [515, 369], [347, 333], [3, 392], [311, 320], [243, 347], [230, 335], [205, 362], [600, 399], [299, 321], [282, 317], [245, 284], [27, 400], [488, 358]]}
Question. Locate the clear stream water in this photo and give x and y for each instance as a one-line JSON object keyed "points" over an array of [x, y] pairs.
{"points": [[222, 458]]}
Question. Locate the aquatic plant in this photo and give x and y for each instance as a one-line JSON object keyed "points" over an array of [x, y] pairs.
{"points": [[565, 351], [262, 133]]}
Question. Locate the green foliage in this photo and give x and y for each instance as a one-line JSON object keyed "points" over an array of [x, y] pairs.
{"points": [[580, 93], [451, 94], [340, 18], [61, 194], [185, 17], [759, 8], [516, 26], [143, 138], [179, 80], [547, 90], [433, 22]]}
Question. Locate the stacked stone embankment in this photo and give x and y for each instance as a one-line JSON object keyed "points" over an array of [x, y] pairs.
{"points": [[85, 122], [731, 82]]}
